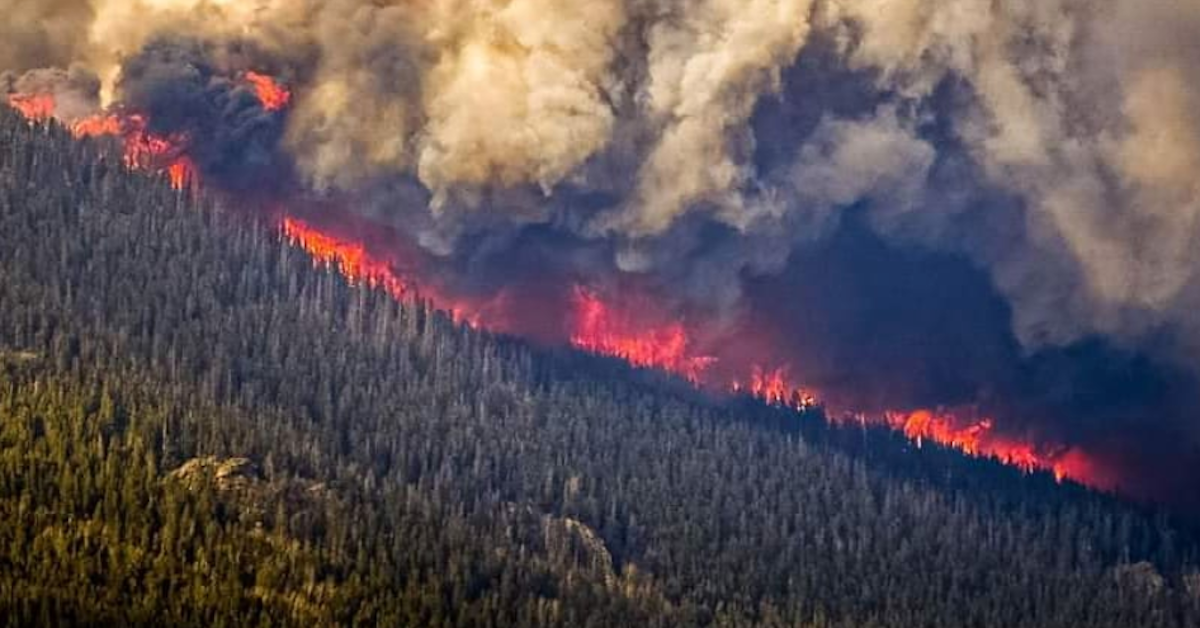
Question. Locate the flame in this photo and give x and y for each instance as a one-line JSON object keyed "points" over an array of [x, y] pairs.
{"points": [[978, 437], [961, 430], [147, 151], [600, 329], [143, 150], [97, 126], [35, 107], [181, 173], [272, 95], [772, 386], [632, 332], [360, 266], [1076, 465], [945, 429], [350, 257]]}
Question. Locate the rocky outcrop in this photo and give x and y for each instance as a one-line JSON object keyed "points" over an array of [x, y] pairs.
{"points": [[227, 475]]}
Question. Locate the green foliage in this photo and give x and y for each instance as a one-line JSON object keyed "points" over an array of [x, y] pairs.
{"points": [[198, 427]]}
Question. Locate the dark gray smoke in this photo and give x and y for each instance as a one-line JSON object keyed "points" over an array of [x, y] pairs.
{"points": [[191, 89]]}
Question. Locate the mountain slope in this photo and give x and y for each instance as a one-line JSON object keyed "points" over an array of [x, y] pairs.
{"points": [[198, 427]]}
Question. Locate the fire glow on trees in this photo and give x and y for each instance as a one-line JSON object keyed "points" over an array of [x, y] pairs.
{"points": [[604, 328], [591, 322], [38, 107], [775, 387], [353, 259], [143, 150], [599, 328], [350, 257]]}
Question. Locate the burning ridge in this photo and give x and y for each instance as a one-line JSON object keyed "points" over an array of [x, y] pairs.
{"points": [[811, 211], [593, 323], [602, 327]]}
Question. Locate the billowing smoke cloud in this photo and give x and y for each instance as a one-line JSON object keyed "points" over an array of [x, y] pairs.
{"points": [[519, 92], [198, 93], [1081, 110], [708, 62], [43, 33], [934, 201]]}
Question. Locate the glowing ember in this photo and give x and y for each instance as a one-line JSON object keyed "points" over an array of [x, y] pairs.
{"points": [[36, 107], [272, 95], [600, 329]]}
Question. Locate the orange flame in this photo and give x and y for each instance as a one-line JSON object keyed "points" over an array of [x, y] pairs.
{"points": [[599, 329], [772, 386], [181, 173], [979, 438], [272, 95], [143, 150], [361, 267], [35, 107], [97, 126], [595, 325], [350, 257], [148, 151], [972, 436]]}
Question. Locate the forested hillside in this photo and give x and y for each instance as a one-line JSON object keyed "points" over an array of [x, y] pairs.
{"points": [[198, 427]]}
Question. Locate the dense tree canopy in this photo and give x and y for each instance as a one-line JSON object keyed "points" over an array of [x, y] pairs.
{"points": [[199, 427]]}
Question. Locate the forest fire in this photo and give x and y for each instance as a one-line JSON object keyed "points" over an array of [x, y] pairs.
{"points": [[958, 429], [349, 257], [272, 95], [590, 322], [142, 149], [169, 153], [37, 107], [147, 151], [774, 387], [353, 259], [97, 126], [978, 437], [600, 329]]}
